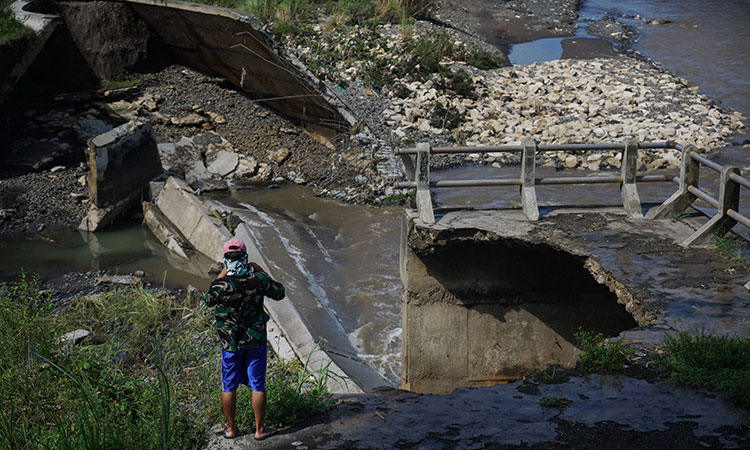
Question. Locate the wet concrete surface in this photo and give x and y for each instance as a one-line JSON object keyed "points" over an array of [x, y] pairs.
{"points": [[604, 412]]}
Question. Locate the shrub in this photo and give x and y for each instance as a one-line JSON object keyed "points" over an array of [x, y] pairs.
{"points": [[717, 363], [598, 354], [554, 402]]}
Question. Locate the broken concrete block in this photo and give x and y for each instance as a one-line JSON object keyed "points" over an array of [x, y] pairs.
{"points": [[122, 162], [224, 164], [100, 217], [181, 206], [74, 337], [165, 231]]}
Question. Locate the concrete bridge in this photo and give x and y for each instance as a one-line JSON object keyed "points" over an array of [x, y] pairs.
{"points": [[493, 295]]}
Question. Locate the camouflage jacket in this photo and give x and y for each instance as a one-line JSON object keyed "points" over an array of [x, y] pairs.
{"points": [[238, 309]]}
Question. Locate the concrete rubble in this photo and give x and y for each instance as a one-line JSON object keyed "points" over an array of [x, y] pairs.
{"points": [[122, 162]]}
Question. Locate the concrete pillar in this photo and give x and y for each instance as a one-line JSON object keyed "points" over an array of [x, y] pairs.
{"points": [[528, 179], [683, 198], [628, 190], [721, 223], [422, 177]]}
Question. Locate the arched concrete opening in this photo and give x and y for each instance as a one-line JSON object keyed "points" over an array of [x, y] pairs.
{"points": [[480, 309]]}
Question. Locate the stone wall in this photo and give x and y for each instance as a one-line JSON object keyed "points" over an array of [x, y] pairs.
{"points": [[480, 309]]}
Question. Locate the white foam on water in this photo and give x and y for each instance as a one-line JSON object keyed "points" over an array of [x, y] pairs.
{"points": [[313, 282]]}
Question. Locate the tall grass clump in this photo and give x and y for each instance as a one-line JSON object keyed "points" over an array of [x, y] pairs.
{"points": [[146, 377], [718, 363], [599, 354], [116, 390]]}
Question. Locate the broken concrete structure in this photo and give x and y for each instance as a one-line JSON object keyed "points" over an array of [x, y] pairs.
{"points": [[490, 296], [121, 162], [111, 37], [179, 218], [119, 36]]}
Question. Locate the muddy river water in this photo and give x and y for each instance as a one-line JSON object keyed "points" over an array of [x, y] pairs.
{"points": [[343, 260]]}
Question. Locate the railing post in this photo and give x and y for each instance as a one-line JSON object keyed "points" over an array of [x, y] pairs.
{"points": [[422, 177], [721, 223], [683, 198], [528, 180], [628, 190]]}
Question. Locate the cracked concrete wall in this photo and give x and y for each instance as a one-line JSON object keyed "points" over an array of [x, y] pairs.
{"points": [[481, 309]]}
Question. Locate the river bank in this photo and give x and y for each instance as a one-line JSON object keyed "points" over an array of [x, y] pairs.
{"points": [[460, 100]]}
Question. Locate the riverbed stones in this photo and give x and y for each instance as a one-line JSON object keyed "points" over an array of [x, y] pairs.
{"points": [[224, 163], [74, 337], [572, 101]]}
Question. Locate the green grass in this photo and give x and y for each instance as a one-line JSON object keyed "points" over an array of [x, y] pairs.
{"points": [[10, 28], [598, 354], [147, 377], [717, 363], [732, 246], [554, 402]]}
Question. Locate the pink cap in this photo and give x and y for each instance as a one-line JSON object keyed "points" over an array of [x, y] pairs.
{"points": [[235, 245]]}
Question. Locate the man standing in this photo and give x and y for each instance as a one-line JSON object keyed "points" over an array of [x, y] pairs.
{"points": [[237, 298]]}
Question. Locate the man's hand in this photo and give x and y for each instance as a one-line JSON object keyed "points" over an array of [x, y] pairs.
{"points": [[256, 268], [223, 272]]}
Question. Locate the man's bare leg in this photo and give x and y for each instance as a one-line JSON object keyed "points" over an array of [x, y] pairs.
{"points": [[259, 409], [229, 403]]}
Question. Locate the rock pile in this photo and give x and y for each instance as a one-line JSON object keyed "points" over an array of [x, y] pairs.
{"points": [[569, 101]]}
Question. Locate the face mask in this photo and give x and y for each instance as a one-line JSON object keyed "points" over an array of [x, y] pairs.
{"points": [[236, 267]]}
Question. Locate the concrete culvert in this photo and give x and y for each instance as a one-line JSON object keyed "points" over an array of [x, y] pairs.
{"points": [[481, 309]]}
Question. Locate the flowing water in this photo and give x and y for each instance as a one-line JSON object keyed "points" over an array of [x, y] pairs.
{"points": [[343, 260]]}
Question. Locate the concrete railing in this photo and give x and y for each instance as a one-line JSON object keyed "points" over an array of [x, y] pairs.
{"points": [[528, 180], [727, 204]]}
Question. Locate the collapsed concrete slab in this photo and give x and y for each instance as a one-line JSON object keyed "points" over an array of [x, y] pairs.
{"points": [[122, 161], [490, 296], [205, 233], [237, 46]]}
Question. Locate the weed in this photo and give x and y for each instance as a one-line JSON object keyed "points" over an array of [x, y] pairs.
{"points": [[395, 197], [146, 379], [599, 354], [554, 402], [444, 117], [718, 363], [484, 60], [550, 376], [733, 246]]}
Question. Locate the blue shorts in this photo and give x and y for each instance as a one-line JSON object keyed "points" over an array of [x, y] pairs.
{"points": [[244, 366]]}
